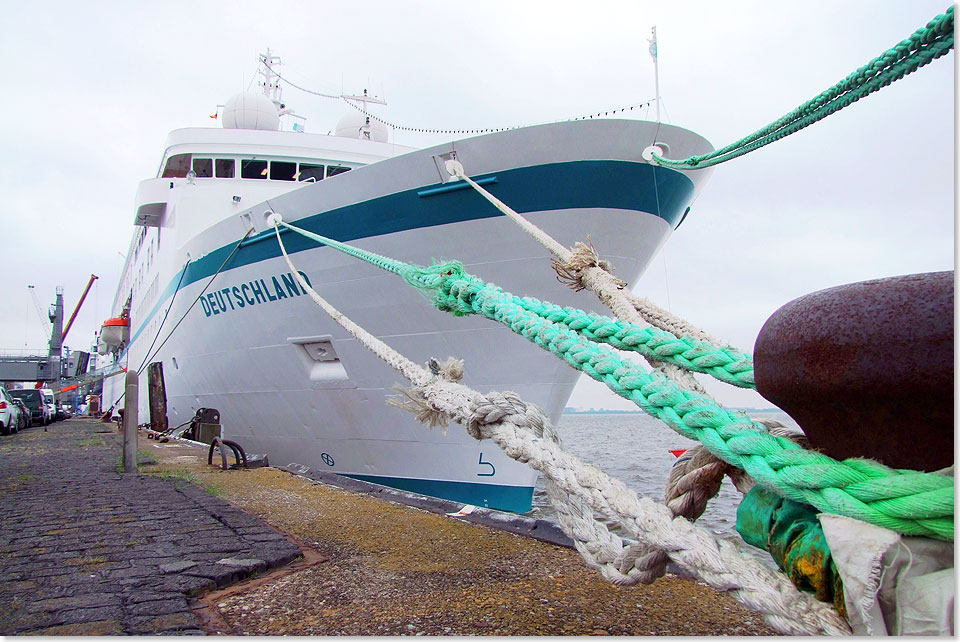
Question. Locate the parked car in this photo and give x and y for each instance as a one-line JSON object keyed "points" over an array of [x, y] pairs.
{"points": [[9, 414], [51, 403], [26, 419], [32, 399]]}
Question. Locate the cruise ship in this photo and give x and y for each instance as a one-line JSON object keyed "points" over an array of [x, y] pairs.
{"points": [[206, 293]]}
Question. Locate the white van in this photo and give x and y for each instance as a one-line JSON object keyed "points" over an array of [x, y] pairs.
{"points": [[49, 403]]}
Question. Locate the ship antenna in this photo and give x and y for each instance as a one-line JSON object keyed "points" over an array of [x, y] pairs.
{"points": [[656, 68], [364, 99], [270, 82], [271, 89]]}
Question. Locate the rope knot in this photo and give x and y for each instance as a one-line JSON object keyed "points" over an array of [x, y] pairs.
{"points": [[440, 278], [449, 370], [432, 277], [583, 256], [497, 407], [414, 399]]}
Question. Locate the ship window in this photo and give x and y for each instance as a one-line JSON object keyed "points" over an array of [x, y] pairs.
{"points": [[224, 168], [282, 170], [333, 171], [177, 166], [253, 169], [308, 171], [203, 167]]}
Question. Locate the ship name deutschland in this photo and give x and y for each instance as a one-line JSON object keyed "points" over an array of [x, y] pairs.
{"points": [[252, 293]]}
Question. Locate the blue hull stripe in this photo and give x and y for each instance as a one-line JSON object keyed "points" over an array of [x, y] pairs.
{"points": [[622, 185], [516, 499], [583, 184]]}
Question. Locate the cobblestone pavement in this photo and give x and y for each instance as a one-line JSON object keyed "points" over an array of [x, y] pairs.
{"points": [[86, 550]]}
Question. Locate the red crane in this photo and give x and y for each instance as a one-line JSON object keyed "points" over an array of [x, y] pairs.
{"points": [[93, 277]]}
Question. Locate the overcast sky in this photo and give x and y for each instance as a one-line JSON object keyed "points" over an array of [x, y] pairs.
{"points": [[91, 90]]}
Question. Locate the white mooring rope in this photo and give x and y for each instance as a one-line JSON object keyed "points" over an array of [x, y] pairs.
{"points": [[583, 265], [578, 490], [582, 268]]}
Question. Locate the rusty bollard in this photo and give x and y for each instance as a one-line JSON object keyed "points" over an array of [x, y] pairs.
{"points": [[866, 369]]}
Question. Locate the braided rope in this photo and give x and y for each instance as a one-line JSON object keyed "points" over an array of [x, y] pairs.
{"points": [[556, 248], [382, 262], [586, 270], [579, 490], [660, 318], [582, 256], [909, 502], [511, 425], [725, 364], [693, 482], [695, 479], [582, 268], [922, 47], [404, 366]]}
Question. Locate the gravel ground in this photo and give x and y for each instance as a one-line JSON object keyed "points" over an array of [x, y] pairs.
{"points": [[396, 570]]}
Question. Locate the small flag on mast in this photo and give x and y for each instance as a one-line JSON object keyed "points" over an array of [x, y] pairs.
{"points": [[653, 44]]}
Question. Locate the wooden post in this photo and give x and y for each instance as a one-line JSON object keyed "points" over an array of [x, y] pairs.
{"points": [[158, 397], [131, 397]]}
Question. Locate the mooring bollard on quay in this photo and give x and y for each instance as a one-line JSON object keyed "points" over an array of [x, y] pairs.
{"points": [[131, 396], [866, 369]]}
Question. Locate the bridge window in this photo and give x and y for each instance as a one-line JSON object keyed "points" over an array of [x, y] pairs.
{"points": [[177, 166], [333, 171], [308, 171], [282, 170], [203, 167], [253, 169], [224, 167]]}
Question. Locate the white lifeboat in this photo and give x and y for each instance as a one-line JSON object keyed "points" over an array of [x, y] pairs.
{"points": [[115, 331]]}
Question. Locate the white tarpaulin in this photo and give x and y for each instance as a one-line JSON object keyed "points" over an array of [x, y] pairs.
{"points": [[892, 584]]}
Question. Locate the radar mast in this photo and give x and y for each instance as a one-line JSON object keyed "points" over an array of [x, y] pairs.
{"points": [[364, 99], [270, 85]]}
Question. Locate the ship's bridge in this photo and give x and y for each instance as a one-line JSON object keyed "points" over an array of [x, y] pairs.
{"points": [[250, 154], [251, 164]]}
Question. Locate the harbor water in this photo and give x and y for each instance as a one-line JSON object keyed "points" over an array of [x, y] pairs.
{"points": [[635, 448]]}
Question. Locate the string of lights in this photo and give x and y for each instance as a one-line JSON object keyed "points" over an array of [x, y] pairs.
{"points": [[424, 130], [296, 86]]}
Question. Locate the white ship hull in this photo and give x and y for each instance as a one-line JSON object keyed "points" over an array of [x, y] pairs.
{"points": [[249, 348]]}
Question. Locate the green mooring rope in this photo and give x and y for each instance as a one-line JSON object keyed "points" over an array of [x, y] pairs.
{"points": [[909, 502], [922, 47], [725, 364]]}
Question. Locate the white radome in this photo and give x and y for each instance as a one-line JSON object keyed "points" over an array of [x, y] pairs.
{"points": [[251, 111], [353, 124]]}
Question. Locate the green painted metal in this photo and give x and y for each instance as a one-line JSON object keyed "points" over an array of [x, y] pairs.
{"points": [[922, 47], [791, 533]]}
